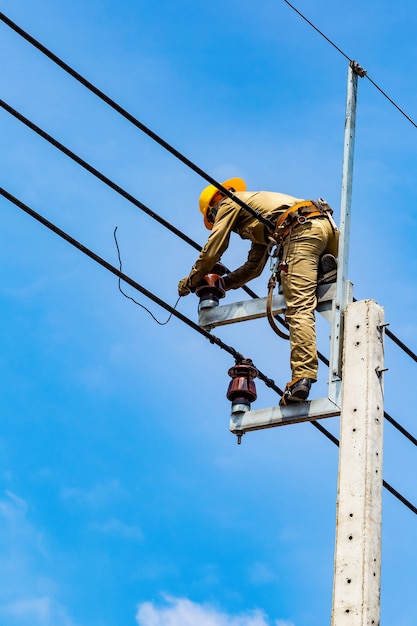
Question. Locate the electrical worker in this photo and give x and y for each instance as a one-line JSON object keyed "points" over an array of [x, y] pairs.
{"points": [[306, 231]]}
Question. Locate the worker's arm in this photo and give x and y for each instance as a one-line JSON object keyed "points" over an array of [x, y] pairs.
{"points": [[257, 258], [216, 244]]}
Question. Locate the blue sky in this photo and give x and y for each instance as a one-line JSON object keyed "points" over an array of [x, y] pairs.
{"points": [[124, 498]]}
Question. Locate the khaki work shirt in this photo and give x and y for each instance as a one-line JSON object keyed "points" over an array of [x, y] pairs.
{"points": [[231, 217]]}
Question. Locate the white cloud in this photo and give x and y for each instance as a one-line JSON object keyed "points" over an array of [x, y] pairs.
{"points": [[184, 612], [28, 595], [98, 496], [17, 504], [260, 574], [117, 528], [37, 611]]}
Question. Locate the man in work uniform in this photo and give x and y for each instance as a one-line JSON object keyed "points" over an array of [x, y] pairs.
{"points": [[306, 232]]}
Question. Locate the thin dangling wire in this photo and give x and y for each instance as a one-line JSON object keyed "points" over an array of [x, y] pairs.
{"points": [[130, 297]]}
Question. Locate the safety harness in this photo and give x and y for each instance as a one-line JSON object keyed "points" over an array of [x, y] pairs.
{"points": [[298, 214], [294, 216]]}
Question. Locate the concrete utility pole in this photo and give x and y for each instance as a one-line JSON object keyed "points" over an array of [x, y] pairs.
{"points": [[356, 587]]}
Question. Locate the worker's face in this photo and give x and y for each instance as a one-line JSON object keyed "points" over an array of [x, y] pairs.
{"points": [[210, 216], [213, 207]]}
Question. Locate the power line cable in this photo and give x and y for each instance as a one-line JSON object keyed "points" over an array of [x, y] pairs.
{"points": [[92, 170], [319, 31], [114, 105], [107, 181], [398, 341], [401, 345], [351, 60], [385, 484], [172, 150], [110, 183], [53, 57], [159, 139], [398, 426], [130, 297], [399, 496], [212, 338]]}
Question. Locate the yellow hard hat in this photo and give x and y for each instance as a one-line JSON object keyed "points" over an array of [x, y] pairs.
{"points": [[207, 195]]}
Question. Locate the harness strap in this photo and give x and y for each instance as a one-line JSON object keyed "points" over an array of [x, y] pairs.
{"points": [[299, 213], [271, 286]]}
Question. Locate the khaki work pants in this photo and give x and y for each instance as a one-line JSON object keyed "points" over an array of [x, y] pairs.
{"points": [[302, 250]]}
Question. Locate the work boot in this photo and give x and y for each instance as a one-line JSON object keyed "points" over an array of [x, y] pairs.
{"points": [[327, 269], [297, 392]]}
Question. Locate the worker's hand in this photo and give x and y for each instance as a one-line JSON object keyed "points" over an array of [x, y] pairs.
{"points": [[183, 289]]}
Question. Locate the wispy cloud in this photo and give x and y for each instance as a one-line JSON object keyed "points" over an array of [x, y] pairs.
{"points": [[95, 497], [184, 612], [28, 595], [260, 573], [117, 528], [36, 611]]}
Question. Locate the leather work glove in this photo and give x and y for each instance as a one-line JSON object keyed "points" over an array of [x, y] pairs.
{"points": [[183, 289]]}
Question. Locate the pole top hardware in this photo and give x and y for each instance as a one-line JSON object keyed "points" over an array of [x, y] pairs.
{"points": [[354, 65]]}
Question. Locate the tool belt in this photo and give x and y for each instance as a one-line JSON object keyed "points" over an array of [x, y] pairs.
{"points": [[299, 214]]}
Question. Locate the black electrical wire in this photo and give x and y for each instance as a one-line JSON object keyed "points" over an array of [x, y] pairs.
{"points": [[351, 60], [125, 194], [130, 297], [400, 497], [161, 141], [212, 338], [398, 341], [187, 162], [117, 272], [114, 105], [92, 170], [388, 333], [398, 426], [316, 29], [53, 57], [391, 101], [385, 484], [400, 344], [110, 183]]}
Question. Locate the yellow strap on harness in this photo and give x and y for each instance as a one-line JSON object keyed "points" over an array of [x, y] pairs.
{"points": [[304, 210]]}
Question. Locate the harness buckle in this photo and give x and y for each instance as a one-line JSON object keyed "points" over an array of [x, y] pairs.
{"points": [[274, 252]]}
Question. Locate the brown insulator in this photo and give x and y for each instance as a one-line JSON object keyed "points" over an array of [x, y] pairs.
{"points": [[242, 389], [210, 289]]}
